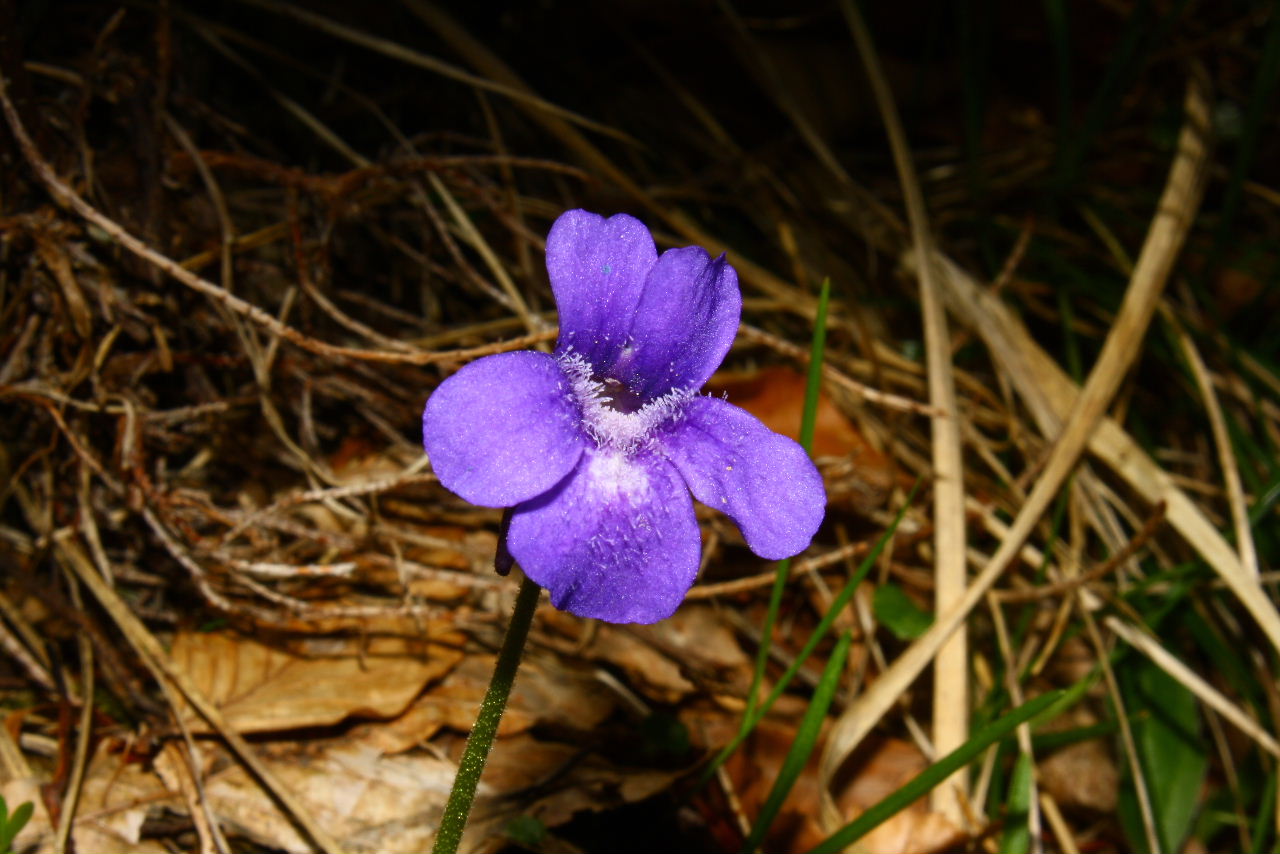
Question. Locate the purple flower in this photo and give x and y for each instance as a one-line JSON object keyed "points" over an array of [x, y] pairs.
{"points": [[597, 447]]}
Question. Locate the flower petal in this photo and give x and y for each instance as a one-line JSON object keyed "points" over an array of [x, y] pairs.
{"points": [[598, 269], [616, 540], [684, 324], [764, 481], [503, 429]]}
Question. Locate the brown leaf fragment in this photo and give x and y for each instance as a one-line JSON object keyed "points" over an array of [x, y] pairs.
{"points": [[261, 687], [114, 802], [1082, 775], [547, 692], [367, 801], [371, 802], [701, 639], [753, 770], [647, 670], [881, 767], [658, 660]]}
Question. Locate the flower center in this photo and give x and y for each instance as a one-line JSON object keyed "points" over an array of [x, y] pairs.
{"points": [[614, 415], [617, 396]]}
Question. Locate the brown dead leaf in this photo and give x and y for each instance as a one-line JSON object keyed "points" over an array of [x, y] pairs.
{"points": [[547, 692], [259, 687], [879, 768], [371, 802], [656, 659], [367, 801], [552, 692], [647, 670], [172, 767], [114, 802], [701, 639], [1084, 774]]}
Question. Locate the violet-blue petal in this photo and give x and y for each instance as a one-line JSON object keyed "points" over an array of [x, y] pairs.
{"points": [[598, 269], [762, 480], [503, 429], [616, 540], [684, 323]]}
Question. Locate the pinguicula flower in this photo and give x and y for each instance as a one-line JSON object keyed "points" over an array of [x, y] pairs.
{"points": [[597, 446]]}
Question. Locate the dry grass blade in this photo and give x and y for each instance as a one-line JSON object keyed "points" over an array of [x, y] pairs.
{"points": [[1141, 786], [477, 242], [1226, 455], [798, 569], [290, 106], [1174, 215], [1210, 696], [1013, 685], [14, 647], [951, 667], [85, 734]]}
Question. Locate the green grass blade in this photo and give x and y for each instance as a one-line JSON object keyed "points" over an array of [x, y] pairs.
{"points": [[937, 772], [1270, 495], [1017, 834], [809, 417], [766, 641], [1262, 824], [806, 739]]}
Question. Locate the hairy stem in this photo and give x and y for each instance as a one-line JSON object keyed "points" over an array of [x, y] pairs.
{"points": [[454, 820]]}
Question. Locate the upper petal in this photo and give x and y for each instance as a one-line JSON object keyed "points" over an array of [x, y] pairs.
{"points": [[503, 429], [764, 481], [684, 323], [616, 540], [598, 269]]}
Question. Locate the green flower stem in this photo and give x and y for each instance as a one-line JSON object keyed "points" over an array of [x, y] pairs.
{"points": [[454, 820]]}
